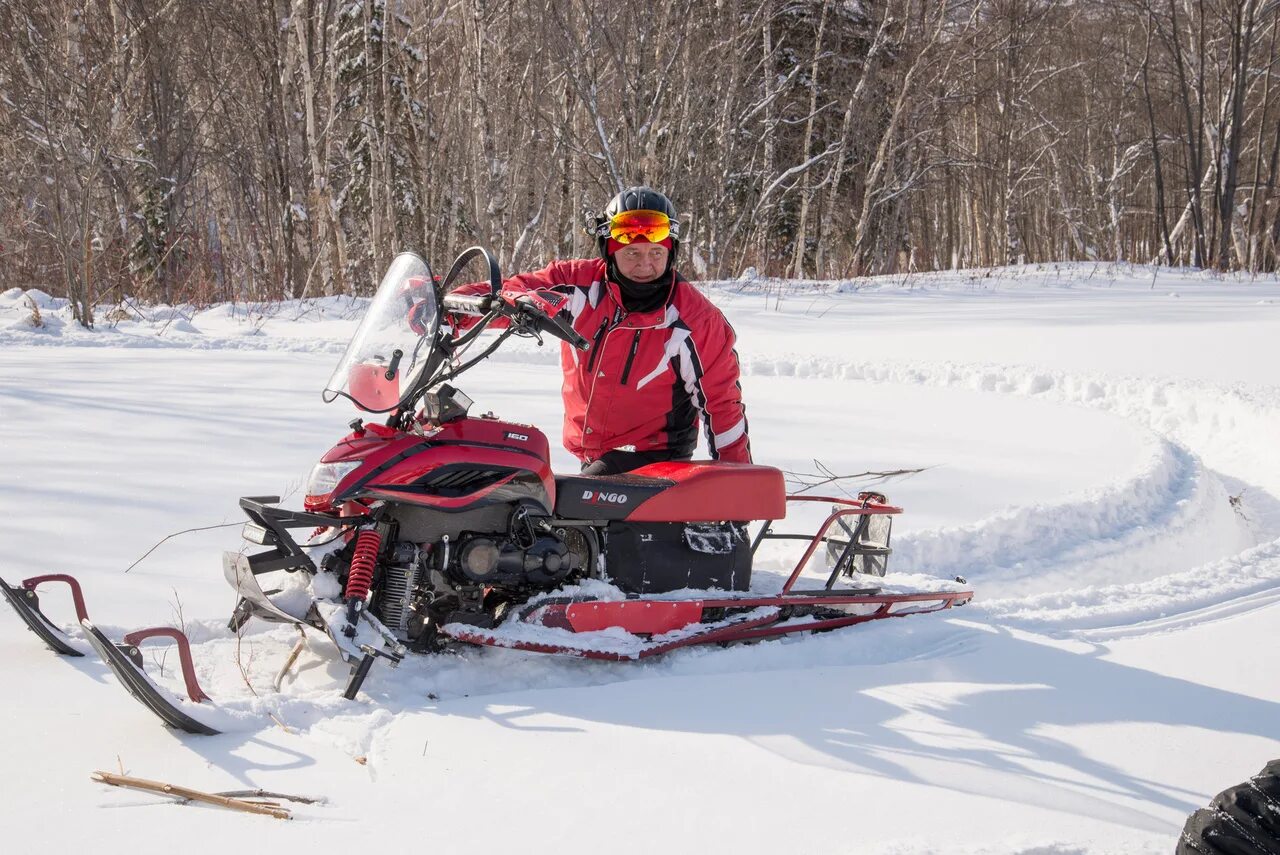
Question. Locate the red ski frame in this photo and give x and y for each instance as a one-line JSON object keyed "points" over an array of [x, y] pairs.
{"points": [[133, 639], [656, 617]]}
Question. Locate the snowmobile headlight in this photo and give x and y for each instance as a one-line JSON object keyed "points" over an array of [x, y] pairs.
{"points": [[254, 533], [325, 477]]}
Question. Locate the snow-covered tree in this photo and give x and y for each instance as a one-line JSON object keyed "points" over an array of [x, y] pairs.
{"points": [[380, 197]]}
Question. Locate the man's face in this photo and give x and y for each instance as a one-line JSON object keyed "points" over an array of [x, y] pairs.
{"points": [[641, 261]]}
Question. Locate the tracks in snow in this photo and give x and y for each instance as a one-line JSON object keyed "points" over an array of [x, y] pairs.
{"points": [[1164, 546]]}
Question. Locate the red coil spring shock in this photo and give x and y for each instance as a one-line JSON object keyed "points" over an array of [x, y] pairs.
{"points": [[368, 544]]}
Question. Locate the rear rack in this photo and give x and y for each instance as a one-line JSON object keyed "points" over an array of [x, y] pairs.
{"points": [[864, 507]]}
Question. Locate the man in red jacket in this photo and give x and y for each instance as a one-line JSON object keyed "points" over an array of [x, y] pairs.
{"points": [[661, 355]]}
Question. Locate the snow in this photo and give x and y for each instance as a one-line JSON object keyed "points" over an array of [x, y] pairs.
{"points": [[1099, 460]]}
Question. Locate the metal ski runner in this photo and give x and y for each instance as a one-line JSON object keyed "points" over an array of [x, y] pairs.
{"points": [[125, 661], [26, 603]]}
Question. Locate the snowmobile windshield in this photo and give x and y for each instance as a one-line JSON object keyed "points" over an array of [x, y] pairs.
{"points": [[391, 346]]}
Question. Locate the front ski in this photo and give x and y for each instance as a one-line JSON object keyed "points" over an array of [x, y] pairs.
{"points": [[125, 661], [254, 602], [26, 603], [359, 646]]}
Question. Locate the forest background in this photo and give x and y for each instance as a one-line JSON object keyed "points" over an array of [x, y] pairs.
{"points": [[205, 150]]}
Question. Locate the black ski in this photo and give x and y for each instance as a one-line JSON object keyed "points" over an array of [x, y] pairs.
{"points": [[27, 605], [126, 663]]}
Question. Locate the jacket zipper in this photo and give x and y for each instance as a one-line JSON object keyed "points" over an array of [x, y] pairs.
{"points": [[626, 369], [595, 345]]}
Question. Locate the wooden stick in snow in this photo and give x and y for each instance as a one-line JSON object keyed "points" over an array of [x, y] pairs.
{"points": [[267, 809]]}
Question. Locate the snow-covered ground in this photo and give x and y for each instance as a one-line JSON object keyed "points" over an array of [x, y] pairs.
{"points": [[1101, 461]]}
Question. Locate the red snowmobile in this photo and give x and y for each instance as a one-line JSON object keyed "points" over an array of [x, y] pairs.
{"points": [[440, 527]]}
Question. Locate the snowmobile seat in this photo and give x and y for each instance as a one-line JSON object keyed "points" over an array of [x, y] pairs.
{"points": [[676, 491]]}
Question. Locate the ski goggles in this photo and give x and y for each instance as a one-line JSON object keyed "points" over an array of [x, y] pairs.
{"points": [[653, 226]]}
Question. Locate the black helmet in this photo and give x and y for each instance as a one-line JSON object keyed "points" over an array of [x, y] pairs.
{"points": [[633, 199]]}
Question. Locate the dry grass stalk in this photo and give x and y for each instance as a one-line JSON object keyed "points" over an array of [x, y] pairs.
{"points": [[264, 808]]}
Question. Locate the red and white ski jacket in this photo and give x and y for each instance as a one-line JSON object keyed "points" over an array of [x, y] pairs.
{"points": [[648, 377]]}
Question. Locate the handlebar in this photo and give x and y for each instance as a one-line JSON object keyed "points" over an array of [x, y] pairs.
{"points": [[557, 327], [464, 304], [523, 313], [534, 314]]}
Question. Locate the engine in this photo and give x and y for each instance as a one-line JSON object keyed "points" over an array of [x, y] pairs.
{"points": [[465, 576], [504, 563]]}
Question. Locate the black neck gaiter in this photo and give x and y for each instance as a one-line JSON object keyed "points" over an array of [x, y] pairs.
{"points": [[642, 296]]}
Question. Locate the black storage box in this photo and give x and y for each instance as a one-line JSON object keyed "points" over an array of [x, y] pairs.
{"points": [[650, 558]]}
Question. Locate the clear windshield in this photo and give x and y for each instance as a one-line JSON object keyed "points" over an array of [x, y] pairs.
{"points": [[393, 341]]}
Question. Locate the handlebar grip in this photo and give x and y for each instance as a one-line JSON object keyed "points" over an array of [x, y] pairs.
{"points": [[465, 304], [553, 324], [565, 332]]}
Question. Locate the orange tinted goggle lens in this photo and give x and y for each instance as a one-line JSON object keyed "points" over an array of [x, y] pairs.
{"points": [[629, 226]]}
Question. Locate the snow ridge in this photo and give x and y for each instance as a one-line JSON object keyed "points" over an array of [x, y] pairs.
{"points": [[1177, 511]]}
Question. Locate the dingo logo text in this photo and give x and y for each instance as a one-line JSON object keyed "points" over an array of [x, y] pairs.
{"points": [[602, 498], [520, 436]]}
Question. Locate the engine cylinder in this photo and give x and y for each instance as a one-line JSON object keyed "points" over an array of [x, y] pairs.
{"points": [[485, 560], [480, 558]]}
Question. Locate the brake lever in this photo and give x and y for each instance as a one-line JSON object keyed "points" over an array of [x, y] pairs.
{"points": [[525, 323], [529, 326], [535, 323]]}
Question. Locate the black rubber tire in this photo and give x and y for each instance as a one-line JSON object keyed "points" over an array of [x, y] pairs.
{"points": [[1241, 820]]}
